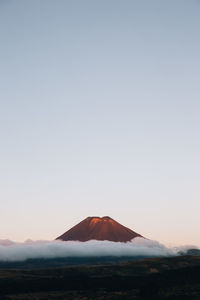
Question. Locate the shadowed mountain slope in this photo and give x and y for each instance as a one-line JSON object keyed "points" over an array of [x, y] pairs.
{"points": [[96, 228]]}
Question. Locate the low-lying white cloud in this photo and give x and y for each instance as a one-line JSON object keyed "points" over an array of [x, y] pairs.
{"points": [[12, 251]]}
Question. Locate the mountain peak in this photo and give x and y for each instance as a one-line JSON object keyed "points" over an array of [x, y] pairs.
{"points": [[99, 228]]}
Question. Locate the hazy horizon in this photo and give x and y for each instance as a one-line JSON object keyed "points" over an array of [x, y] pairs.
{"points": [[99, 116]]}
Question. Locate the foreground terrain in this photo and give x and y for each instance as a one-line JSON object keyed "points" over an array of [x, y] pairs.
{"points": [[157, 278]]}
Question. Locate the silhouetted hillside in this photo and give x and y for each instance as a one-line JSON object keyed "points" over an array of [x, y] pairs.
{"points": [[158, 278]]}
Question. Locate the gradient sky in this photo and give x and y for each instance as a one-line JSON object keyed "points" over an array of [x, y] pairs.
{"points": [[100, 115]]}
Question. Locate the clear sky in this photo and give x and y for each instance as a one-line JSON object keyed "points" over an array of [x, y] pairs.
{"points": [[100, 115]]}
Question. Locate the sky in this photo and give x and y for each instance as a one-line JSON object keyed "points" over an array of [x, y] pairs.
{"points": [[99, 116]]}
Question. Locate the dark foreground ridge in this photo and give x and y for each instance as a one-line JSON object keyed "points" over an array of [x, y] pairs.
{"points": [[96, 228], [156, 278]]}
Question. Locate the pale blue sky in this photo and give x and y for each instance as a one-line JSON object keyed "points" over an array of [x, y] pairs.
{"points": [[100, 115]]}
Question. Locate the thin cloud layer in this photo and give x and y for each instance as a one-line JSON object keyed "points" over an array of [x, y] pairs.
{"points": [[11, 251]]}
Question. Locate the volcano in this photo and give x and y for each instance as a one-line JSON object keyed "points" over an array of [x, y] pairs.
{"points": [[101, 229]]}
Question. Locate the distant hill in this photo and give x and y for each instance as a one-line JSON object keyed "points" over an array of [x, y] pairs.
{"points": [[192, 252], [96, 228]]}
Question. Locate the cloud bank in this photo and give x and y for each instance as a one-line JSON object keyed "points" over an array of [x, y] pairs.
{"points": [[12, 251]]}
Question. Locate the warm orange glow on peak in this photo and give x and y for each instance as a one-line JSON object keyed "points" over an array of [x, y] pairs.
{"points": [[111, 221], [95, 220], [105, 219]]}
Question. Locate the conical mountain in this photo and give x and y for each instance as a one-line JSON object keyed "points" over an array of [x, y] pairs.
{"points": [[96, 228]]}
